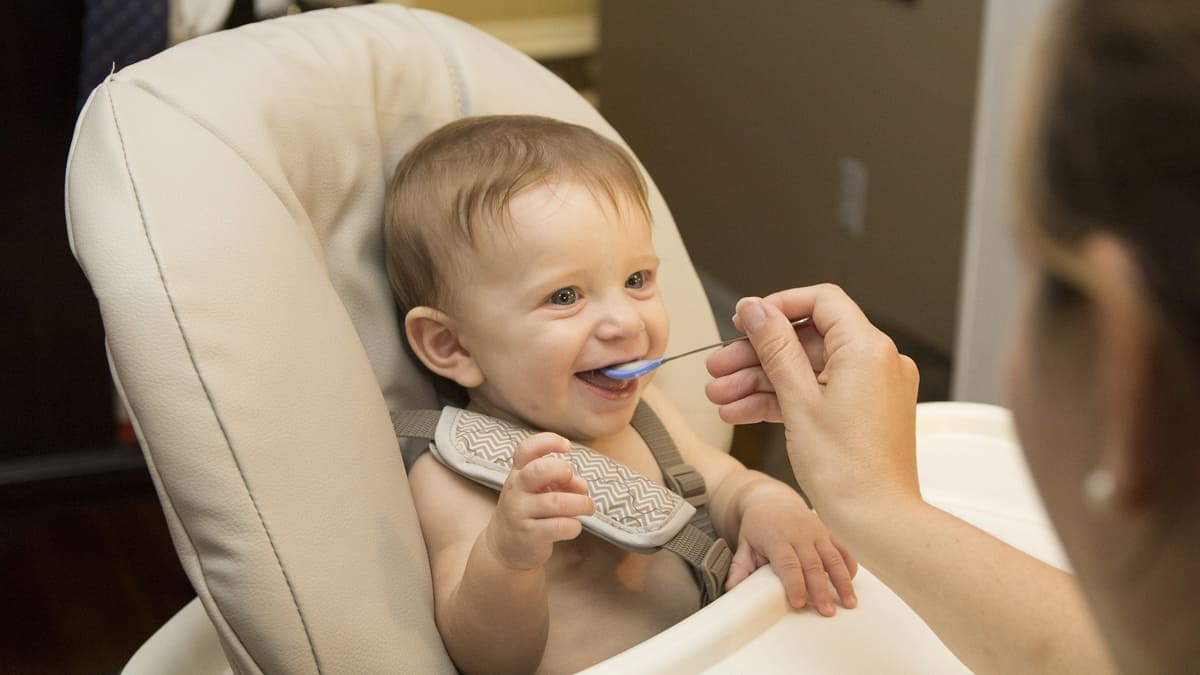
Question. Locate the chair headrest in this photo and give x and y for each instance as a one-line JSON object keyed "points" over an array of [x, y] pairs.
{"points": [[224, 199]]}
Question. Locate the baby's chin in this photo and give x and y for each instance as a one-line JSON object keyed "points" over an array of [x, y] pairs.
{"points": [[595, 426], [579, 428], [586, 430]]}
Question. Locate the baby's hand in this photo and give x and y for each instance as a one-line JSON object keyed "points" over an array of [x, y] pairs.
{"points": [[778, 527], [537, 504]]}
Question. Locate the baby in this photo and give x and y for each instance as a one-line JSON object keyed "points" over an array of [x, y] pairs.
{"points": [[521, 249]]}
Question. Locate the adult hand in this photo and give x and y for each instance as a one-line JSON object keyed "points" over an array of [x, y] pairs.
{"points": [[844, 394]]}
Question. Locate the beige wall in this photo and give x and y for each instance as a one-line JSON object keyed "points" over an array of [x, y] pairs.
{"points": [[991, 281], [490, 10], [741, 112]]}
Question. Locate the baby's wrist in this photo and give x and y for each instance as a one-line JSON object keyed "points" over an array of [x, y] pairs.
{"points": [[498, 551], [762, 489]]}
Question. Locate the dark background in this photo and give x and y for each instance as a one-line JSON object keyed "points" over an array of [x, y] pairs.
{"points": [[87, 569]]}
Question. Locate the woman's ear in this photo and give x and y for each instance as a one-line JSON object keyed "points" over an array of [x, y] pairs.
{"points": [[435, 341], [1132, 446]]}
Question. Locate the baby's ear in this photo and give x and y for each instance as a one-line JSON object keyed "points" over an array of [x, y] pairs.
{"points": [[435, 341]]}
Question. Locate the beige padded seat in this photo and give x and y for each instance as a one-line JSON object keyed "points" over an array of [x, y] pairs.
{"points": [[224, 200]]}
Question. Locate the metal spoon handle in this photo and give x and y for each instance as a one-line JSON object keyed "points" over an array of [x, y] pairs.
{"points": [[797, 322]]}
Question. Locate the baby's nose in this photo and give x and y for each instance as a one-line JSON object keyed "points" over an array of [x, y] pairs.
{"points": [[621, 320]]}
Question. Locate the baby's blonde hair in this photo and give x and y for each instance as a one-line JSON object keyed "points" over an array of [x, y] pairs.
{"points": [[463, 177]]}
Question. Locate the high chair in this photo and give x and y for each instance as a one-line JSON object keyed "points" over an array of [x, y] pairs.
{"points": [[224, 200]]}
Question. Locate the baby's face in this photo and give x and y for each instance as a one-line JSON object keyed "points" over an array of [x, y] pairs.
{"points": [[572, 289]]}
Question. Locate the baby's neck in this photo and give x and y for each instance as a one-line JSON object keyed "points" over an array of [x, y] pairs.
{"points": [[484, 406]]}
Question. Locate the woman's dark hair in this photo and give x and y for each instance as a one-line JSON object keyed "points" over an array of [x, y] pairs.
{"points": [[1117, 146]]}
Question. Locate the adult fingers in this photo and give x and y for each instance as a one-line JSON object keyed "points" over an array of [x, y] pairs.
{"points": [[745, 396], [783, 358], [836, 321], [738, 355], [738, 385], [752, 409], [731, 358], [832, 311]]}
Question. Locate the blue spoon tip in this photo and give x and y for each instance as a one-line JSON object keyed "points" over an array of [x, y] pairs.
{"points": [[631, 370]]}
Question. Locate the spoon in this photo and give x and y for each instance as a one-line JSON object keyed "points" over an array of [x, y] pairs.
{"points": [[635, 369]]}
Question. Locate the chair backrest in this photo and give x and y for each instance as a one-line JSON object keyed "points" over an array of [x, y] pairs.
{"points": [[224, 200]]}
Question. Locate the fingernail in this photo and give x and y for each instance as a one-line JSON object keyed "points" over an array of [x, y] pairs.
{"points": [[751, 311]]}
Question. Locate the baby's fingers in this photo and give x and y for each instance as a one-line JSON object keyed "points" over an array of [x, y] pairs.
{"points": [[546, 474], [851, 562], [742, 566], [790, 570], [560, 529], [538, 445], [841, 572], [576, 485], [561, 504], [816, 579]]}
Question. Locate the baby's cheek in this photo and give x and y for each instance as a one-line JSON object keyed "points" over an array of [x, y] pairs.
{"points": [[534, 409], [658, 325]]}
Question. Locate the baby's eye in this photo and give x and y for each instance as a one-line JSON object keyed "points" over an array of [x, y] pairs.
{"points": [[636, 280], [564, 296]]}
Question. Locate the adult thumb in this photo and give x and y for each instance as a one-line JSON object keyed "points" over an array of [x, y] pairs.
{"points": [[779, 351]]}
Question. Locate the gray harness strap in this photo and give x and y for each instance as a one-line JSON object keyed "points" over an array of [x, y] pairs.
{"points": [[679, 476], [415, 424], [696, 542]]}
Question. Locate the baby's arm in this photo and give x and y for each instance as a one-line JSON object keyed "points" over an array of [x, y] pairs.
{"points": [[767, 519], [487, 556]]}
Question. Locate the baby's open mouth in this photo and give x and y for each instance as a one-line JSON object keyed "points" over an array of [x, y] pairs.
{"points": [[599, 379]]}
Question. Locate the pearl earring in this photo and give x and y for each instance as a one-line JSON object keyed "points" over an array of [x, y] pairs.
{"points": [[1099, 488]]}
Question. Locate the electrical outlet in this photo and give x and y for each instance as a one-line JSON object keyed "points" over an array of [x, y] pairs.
{"points": [[852, 197]]}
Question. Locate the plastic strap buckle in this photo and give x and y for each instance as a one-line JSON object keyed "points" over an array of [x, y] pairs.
{"points": [[714, 570], [684, 480]]}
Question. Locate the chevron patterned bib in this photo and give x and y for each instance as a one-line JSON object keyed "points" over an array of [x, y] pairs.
{"points": [[632, 511]]}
